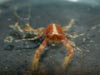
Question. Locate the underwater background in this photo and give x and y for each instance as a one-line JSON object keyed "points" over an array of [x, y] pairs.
{"points": [[15, 58]]}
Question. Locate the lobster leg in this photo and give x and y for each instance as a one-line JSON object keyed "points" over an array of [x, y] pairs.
{"points": [[70, 53], [74, 36], [35, 60], [66, 28], [75, 46]]}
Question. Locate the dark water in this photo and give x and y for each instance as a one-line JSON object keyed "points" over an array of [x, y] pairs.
{"points": [[16, 59]]}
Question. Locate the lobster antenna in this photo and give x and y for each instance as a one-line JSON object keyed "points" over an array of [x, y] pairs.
{"points": [[23, 18]]}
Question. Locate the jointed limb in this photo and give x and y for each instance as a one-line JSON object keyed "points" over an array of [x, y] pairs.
{"points": [[74, 36], [74, 45], [66, 28], [10, 39], [38, 31], [16, 27], [28, 39], [27, 28], [35, 60], [70, 52]]}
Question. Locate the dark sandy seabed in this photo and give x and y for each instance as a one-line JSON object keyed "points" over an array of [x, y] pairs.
{"points": [[15, 58]]}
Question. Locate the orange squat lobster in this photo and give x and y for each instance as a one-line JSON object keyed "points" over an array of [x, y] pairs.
{"points": [[54, 33]]}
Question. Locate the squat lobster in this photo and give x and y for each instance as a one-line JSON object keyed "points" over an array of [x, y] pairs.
{"points": [[54, 33]]}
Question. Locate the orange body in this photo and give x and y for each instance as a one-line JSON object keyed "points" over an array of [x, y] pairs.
{"points": [[54, 32]]}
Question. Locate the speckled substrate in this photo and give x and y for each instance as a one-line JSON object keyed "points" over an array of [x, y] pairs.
{"points": [[17, 61]]}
